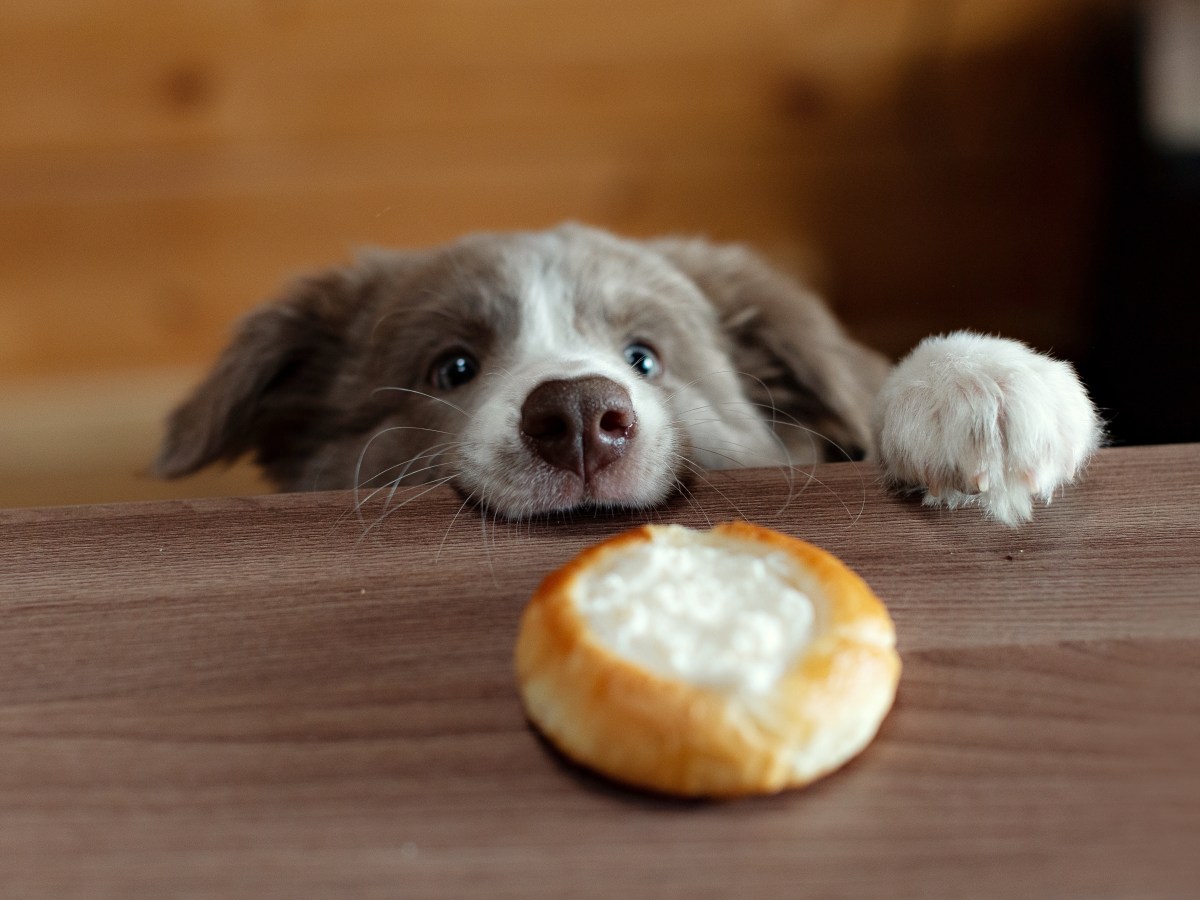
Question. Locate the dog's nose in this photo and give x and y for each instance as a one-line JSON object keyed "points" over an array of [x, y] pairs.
{"points": [[580, 425]]}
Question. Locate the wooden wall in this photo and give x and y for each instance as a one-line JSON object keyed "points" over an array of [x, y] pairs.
{"points": [[165, 165]]}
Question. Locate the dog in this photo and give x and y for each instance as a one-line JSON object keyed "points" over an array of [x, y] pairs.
{"points": [[546, 372]]}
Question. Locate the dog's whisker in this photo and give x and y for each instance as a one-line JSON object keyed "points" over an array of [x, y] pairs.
{"points": [[787, 466], [487, 550], [698, 472], [358, 481], [775, 412], [431, 452], [858, 470], [745, 453], [394, 483], [428, 486], [687, 494], [853, 516], [358, 502], [368, 529], [501, 372], [770, 404], [424, 394], [787, 470], [417, 428], [738, 454], [811, 433], [810, 477], [437, 556], [741, 373], [432, 486], [713, 374], [775, 422]]}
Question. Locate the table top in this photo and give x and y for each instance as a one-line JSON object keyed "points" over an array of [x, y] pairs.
{"points": [[280, 696]]}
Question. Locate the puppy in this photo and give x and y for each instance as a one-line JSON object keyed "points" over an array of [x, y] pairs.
{"points": [[568, 369]]}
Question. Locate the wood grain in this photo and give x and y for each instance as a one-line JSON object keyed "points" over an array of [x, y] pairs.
{"points": [[271, 697], [165, 165]]}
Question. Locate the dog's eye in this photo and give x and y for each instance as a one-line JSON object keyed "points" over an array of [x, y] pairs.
{"points": [[643, 359], [453, 370]]}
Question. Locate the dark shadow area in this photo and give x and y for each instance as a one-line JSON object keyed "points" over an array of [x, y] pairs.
{"points": [[1142, 363]]}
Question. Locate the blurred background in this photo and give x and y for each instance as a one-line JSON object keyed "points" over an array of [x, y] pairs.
{"points": [[1028, 167]]}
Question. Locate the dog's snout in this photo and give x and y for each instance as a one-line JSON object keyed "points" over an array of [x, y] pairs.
{"points": [[580, 425]]}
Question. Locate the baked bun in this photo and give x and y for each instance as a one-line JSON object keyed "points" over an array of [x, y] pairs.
{"points": [[707, 663]]}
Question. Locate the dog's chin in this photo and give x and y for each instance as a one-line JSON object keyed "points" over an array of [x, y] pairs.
{"points": [[556, 492]]}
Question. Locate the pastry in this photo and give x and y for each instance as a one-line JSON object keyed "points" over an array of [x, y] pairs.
{"points": [[707, 663]]}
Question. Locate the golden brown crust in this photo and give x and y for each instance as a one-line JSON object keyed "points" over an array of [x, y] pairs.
{"points": [[665, 734]]}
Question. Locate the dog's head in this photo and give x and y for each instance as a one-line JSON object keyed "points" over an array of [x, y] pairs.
{"points": [[535, 372]]}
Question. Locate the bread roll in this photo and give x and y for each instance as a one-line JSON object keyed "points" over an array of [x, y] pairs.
{"points": [[721, 663]]}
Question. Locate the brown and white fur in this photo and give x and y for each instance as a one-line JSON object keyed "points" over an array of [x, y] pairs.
{"points": [[566, 369]]}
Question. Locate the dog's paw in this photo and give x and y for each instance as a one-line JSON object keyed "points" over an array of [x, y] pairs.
{"points": [[973, 419]]}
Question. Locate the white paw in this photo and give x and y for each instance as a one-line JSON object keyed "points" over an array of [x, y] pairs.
{"points": [[975, 419]]}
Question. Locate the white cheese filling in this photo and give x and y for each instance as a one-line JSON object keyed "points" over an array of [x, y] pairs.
{"points": [[709, 611]]}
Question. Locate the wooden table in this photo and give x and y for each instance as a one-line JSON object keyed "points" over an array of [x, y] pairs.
{"points": [[272, 697]]}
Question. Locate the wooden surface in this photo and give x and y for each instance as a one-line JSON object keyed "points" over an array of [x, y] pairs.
{"points": [[269, 697]]}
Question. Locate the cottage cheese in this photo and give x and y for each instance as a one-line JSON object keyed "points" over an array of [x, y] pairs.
{"points": [[708, 611]]}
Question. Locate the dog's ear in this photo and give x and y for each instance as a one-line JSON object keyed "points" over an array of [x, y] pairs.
{"points": [[268, 392], [794, 352]]}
